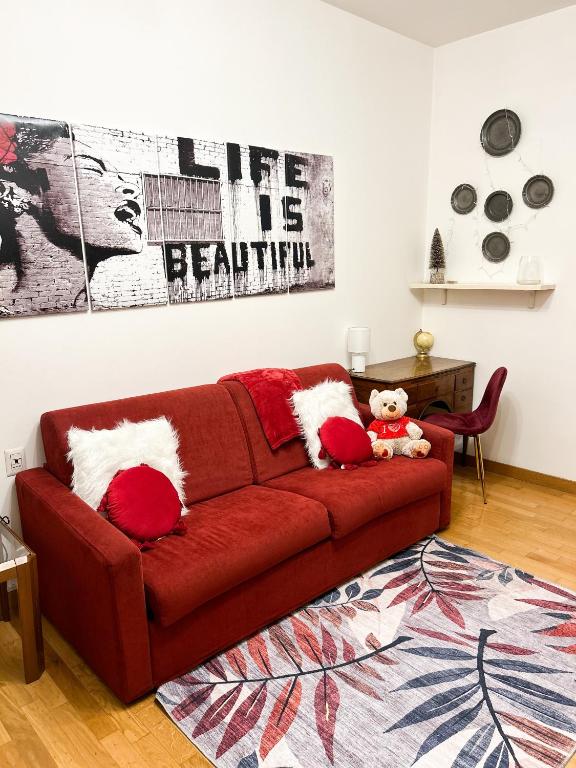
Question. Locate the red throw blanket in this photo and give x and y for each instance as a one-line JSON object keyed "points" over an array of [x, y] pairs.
{"points": [[270, 390]]}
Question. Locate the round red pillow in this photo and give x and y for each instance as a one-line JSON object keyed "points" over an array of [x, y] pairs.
{"points": [[345, 442], [143, 504]]}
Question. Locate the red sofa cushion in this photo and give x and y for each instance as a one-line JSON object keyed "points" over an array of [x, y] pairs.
{"points": [[268, 463], [354, 498], [238, 613], [228, 540], [213, 448]]}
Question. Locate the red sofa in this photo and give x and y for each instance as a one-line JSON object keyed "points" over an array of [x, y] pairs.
{"points": [[266, 533]]}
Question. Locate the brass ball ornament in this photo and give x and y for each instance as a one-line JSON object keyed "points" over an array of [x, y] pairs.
{"points": [[423, 342]]}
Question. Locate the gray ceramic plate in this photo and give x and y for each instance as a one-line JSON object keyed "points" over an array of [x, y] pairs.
{"points": [[501, 132], [538, 191], [498, 206], [464, 198], [496, 247]]}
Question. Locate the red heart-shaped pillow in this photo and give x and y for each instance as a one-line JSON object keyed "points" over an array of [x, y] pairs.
{"points": [[143, 504]]}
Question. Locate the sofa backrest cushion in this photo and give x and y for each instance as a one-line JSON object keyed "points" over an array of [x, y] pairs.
{"points": [[213, 448], [267, 463]]}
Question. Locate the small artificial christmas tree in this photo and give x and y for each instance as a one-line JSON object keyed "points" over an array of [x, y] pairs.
{"points": [[437, 263]]}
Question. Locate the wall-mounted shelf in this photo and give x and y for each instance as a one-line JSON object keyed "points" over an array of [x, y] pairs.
{"points": [[530, 290]]}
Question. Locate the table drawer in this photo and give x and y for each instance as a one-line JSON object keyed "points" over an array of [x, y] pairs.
{"points": [[429, 390], [463, 401], [464, 379]]}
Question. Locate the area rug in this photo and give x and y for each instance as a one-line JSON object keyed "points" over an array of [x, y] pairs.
{"points": [[438, 658]]}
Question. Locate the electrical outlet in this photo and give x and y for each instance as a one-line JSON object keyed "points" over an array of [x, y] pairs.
{"points": [[15, 461]]}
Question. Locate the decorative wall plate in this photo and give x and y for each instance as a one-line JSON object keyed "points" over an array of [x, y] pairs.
{"points": [[464, 198], [538, 191], [496, 247], [498, 205], [501, 132]]}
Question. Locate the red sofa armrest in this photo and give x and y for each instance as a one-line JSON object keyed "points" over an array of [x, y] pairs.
{"points": [[442, 441], [91, 584]]}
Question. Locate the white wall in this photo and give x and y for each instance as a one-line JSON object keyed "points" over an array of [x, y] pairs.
{"points": [[529, 67], [300, 75]]}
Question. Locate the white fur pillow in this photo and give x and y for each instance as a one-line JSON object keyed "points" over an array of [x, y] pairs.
{"points": [[97, 454], [313, 406]]}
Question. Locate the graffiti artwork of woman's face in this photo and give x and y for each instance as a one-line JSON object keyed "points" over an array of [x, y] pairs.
{"points": [[41, 265], [55, 193], [111, 203]]}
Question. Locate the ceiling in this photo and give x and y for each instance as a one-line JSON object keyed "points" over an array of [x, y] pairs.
{"points": [[444, 21]]}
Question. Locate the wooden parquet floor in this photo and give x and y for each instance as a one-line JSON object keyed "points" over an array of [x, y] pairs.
{"points": [[69, 718]]}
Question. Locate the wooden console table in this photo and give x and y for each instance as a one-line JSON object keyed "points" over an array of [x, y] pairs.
{"points": [[17, 561], [431, 382]]}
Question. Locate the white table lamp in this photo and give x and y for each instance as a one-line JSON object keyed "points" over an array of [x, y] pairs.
{"points": [[359, 345]]}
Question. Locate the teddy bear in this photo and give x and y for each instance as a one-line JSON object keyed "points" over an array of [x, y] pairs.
{"points": [[391, 431]]}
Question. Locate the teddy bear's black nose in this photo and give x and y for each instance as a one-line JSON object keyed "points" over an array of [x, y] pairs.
{"points": [[391, 408]]}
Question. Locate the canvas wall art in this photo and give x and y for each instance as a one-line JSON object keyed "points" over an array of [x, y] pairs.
{"points": [[102, 218], [310, 221], [193, 217], [114, 168], [41, 255]]}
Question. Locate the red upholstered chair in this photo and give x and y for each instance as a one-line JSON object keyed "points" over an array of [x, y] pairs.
{"points": [[477, 422]]}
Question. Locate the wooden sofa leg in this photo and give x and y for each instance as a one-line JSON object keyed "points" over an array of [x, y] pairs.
{"points": [[4, 602], [30, 623]]}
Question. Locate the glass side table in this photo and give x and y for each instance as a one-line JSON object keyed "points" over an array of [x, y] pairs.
{"points": [[18, 562]]}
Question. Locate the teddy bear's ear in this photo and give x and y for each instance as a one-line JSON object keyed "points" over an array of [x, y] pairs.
{"points": [[400, 392], [373, 395]]}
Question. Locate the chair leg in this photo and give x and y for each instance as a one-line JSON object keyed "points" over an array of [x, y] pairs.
{"points": [[477, 458], [481, 466], [464, 450]]}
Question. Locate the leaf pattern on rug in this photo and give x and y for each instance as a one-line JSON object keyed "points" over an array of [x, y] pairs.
{"points": [[484, 691], [334, 607], [326, 703], [442, 577], [442, 677], [563, 609], [245, 712], [282, 715]]}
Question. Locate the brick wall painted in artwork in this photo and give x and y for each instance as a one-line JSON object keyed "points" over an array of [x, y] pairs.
{"points": [[257, 259], [317, 237], [219, 284], [245, 226]]}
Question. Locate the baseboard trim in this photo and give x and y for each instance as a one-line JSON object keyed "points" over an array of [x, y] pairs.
{"points": [[519, 473]]}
